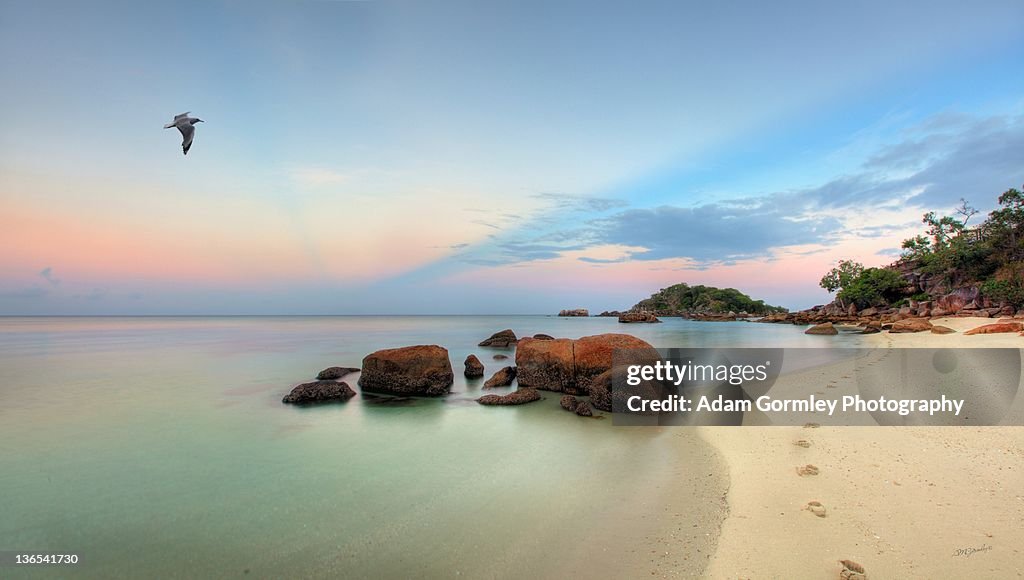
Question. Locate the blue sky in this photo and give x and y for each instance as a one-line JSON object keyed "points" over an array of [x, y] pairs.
{"points": [[464, 157]]}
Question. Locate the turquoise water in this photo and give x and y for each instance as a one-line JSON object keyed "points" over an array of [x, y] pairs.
{"points": [[159, 447]]}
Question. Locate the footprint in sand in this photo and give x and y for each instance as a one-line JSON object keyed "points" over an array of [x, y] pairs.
{"points": [[802, 443], [812, 425], [807, 470], [852, 571], [816, 508]]}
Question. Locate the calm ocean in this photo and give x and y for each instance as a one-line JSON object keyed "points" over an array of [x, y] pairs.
{"points": [[158, 447]]}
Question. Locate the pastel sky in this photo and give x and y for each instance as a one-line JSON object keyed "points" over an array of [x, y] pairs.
{"points": [[485, 157]]}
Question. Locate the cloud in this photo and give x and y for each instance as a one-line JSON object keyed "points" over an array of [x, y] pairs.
{"points": [[580, 203], [47, 274], [931, 166], [712, 232]]}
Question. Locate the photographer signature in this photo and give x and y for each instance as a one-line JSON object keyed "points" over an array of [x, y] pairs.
{"points": [[967, 552]]}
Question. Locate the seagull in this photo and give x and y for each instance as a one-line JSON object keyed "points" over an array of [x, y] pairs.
{"points": [[184, 123]]}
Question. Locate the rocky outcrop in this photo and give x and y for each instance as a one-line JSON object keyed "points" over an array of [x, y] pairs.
{"points": [[633, 317], [501, 339], [593, 355], [996, 328], [572, 366], [319, 392], [474, 368], [568, 402], [518, 397], [575, 312], [825, 328], [603, 397], [502, 378], [333, 373], [546, 364], [410, 370], [910, 325]]}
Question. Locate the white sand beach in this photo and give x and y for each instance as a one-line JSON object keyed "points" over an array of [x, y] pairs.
{"points": [[904, 502]]}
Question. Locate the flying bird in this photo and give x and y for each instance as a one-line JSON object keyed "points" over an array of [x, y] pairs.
{"points": [[185, 124]]}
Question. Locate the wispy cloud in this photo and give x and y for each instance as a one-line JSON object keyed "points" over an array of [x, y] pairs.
{"points": [[47, 274], [938, 161]]}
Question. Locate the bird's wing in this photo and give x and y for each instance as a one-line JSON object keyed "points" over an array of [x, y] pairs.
{"points": [[187, 131], [182, 116]]}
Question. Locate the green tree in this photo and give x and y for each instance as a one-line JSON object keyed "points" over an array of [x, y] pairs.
{"points": [[841, 276], [874, 287]]}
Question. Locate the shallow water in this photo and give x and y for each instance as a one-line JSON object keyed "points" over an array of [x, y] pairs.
{"points": [[159, 446]]}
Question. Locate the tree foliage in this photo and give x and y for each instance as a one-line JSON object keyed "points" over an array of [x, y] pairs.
{"points": [[686, 298], [874, 287], [841, 276]]}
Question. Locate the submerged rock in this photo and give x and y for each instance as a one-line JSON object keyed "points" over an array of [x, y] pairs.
{"points": [[502, 378], [519, 397], [410, 370], [500, 357], [568, 402], [319, 392], [332, 373], [501, 339], [474, 368]]}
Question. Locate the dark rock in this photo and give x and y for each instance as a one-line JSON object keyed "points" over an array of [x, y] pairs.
{"points": [[518, 397], [332, 373], [634, 317], [319, 392], [575, 312], [500, 357], [603, 397], [502, 339], [474, 368], [543, 337], [502, 378], [583, 409], [568, 402], [410, 370]]}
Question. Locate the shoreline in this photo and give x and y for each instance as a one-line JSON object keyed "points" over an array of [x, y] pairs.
{"points": [[921, 502]]}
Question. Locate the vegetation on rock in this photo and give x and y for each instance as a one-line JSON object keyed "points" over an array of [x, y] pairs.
{"points": [[704, 299]]}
